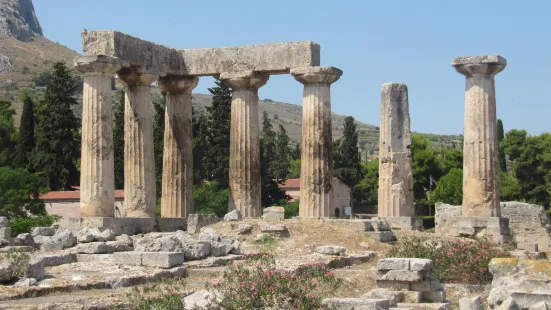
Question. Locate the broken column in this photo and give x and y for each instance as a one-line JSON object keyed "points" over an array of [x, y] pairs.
{"points": [[316, 175], [244, 176], [177, 179], [139, 164], [97, 183], [480, 214], [395, 176]]}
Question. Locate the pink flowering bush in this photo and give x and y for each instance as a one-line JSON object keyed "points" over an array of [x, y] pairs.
{"points": [[256, 284], [460, 261]]}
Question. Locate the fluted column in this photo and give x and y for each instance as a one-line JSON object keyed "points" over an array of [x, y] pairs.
{"points": [[480, 149], [395, 174], [97, 174], [139, 162], [244, 141], [316, 173], [177, 179]]}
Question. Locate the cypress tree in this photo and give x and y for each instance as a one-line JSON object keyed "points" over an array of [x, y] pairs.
{"points": [[283, 156], [200, 130], [57, 137], [158, 139], [25, 144], [270, 192], [347, 161], [118, 141], [500, 137], [7, 131]]}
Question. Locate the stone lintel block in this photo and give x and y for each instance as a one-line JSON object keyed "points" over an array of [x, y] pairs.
{"points": [[404, 222], [381, 236], [157, 59], [357, 303], [162, 259], [360, 225], [393, 264], [398, 275], [393, 285]]}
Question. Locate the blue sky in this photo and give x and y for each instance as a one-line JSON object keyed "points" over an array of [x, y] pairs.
{"points": [[373, 42]]}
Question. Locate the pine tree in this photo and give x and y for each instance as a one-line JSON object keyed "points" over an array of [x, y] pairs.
{"points": [[500, 137], [347, 159], [296, 152], [25, 144], [57, 138], [199, 131], [270, 192], [282, 155], [118, 141], [158, 139], [7, 132], [216, 160]]}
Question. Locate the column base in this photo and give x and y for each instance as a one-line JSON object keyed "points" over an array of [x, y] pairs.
{"points": [[129, 225], [496, 229], [403, 222]]}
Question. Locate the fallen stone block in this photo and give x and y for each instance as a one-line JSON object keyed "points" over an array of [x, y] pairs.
{"points": [[162, 259], [25, 282], [271, 228], [158, 243], [5, 273], [50, 260], [356, 224], [217, 249], [398, 275], [24, 240], [508, 304], [542, 305], [232, 245], [474, 303], [4, 222], [526, 300], [420, 264], [210, 235], [197, 221], [119, 247], [393, 264], [392, 296], [378, 224], [434, 296], [52, 245], [17, 248], [129, 258], [273, 213], [196, 249], [5, 233], [35, 269], [330, 250], [243, 229], [381, 236], [94, 248], [394, 285], [43, 231], [425, 306], [234, 215], [357, 303], [125, 239]]}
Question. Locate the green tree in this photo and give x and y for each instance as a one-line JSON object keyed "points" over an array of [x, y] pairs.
{"points": [[347, 162], [514, 143], [500, 137], [57, 131], [281, 164], [7, 132], [25, 143], [294, 169], [366, 191], [270, 192], [118, 141], [19, 191], [509, 187], [449, 188], [210, 198], [158, 138], [295, 154], [425, 169], [199, 132], [216, 159]]}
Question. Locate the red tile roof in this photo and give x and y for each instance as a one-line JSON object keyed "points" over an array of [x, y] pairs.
{"points": [[72, 195], [290, 183]]}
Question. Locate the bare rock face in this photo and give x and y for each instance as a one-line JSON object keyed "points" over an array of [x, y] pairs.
{"points": [[18, 20]]}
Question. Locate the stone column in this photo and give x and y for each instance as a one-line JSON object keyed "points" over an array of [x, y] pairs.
{"points": [[177, 181], [139, 162], [244, 141], [97, 178], [395, 176], [316, 174], [480, 149]]}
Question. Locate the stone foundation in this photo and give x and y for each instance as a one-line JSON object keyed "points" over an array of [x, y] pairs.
{"points": [[494, 228], [128, 225], [528, 225], [404, 222]]}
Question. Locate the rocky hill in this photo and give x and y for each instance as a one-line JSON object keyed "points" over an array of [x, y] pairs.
{"points": [[18, 20]]}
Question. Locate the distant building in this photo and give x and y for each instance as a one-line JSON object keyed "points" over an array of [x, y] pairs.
{"points": [[67, 204], [341, 192]]}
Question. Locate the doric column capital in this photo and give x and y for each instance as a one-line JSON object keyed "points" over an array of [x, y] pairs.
{"points": [[252, 80], [316, 75], [133, 76], [178, 84], [487, 66], [97, 65]]}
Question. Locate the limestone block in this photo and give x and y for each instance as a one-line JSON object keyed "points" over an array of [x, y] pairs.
{"points": [[234, 215], [392, 296], [381, 236], [119, 246], [508, 304], [474, 303], [217, 248], [356, 224], [4, 222], [171, 223], [196, 249], [94, 248], [420, 264], [425, 306], [52, 245], [404, 222], [527, 300], [542, 305], [232, 245], [378, 224], [528, 224], [51, 260], [434, 296], [88, 234], [243, 229], [129, 258], [273, 213], [66, 237], [162, 259], [357, 303], [197, 221], [158, 243], [24, 240], [398, 275], [5, 233], [35, 269], [393, 285], [209, 234], [427, 286], [43, 231], [393, 264], [125, 239], [330, 250], [271, 228]]}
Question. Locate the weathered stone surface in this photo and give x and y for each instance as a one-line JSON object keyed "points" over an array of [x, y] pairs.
{"points": [[158, 243], [217, 249], [494, 228], [243, 229], [273, 213], [127, 225], [316, 177], [542, 305], [61, 240], [43, 231], [330, 250], [381, 236], [480, 162], [24, 240], [162, 259], [50, 260], [18, 20], [404, 222], [197, 221], [5, 233], [356, 224], [508, 304], [273, 228], [25, 282], [421, 264], [470, 303], [528, 224], [526, 300], [95, 248], [395, 172], [177, 178], [232, 245], [36, 269], [357, 303], [4, 222], [392, 296], [234, 215], [393, 264], [398, 275], [433, 296], [87, 234], [161, 60], [444, 213], [244, 141], [378, 224], [196, 249], [425, 306], [5, 273], [119, 246], [198, 300], [210, 235], [125, 239]]}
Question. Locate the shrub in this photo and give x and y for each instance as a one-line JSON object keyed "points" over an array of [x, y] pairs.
{"points": [[21, 225], [291, 208], [267, 242], [18, 262], [163, 295], [428, 221], [458, 261], [210, 198], [257, 284], [19, 193]]}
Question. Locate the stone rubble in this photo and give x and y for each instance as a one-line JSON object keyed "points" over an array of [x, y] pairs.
{"points": [[234, 215], [273, 213], [474, 303], [330, 250]]}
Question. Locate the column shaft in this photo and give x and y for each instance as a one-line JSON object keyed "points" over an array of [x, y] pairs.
{"points": [[316, 173]]}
